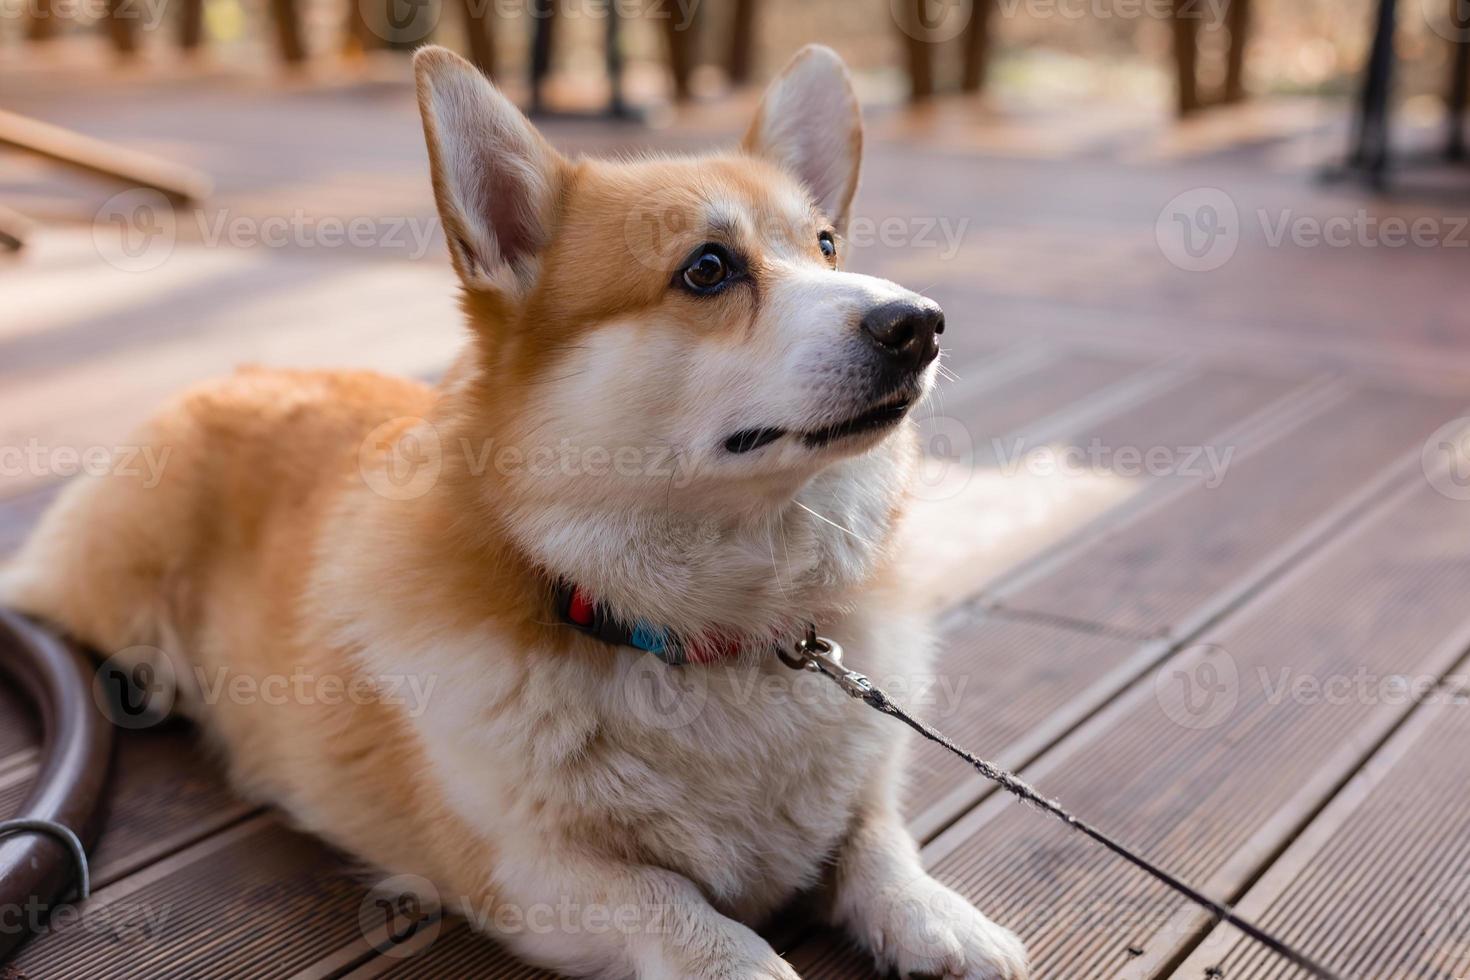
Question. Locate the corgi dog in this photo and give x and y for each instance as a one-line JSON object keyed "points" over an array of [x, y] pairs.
{"points": [[678, 434]]}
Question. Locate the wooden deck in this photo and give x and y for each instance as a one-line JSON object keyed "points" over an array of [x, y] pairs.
{"points": [[1205, 660]]}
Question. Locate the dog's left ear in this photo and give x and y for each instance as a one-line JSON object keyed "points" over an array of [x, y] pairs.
{"points": [[810, 123], [495, 179]]}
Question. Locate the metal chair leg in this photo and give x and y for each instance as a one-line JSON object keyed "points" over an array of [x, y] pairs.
{"points": [[543, 12], [1459, 94], [1371, 137]]}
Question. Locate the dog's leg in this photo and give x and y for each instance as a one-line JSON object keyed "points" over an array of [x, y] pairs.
{"points": [[612, 920], [907, 920]]}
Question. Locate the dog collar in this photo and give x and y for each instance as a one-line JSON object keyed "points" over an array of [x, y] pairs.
{"points": [[578, 609]]}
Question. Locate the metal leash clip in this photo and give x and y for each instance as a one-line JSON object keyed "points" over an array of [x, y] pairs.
{"points": [[818, 653]]}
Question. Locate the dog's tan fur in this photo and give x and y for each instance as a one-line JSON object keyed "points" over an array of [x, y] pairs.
{"points": [[535, 775]]}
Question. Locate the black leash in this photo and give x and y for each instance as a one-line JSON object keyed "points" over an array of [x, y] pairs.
{"points": [[820, 654]]}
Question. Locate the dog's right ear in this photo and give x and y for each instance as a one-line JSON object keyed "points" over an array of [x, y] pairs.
{"points": [[495, 178]]}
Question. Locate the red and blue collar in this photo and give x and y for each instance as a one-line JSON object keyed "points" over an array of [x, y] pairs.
{"points": [[577, 608]]}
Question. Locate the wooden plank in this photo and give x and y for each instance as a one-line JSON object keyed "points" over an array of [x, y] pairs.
{"points": [[1032, 389], [178, 183], [1377, 885], [1214, 787], [1154, 573], [459, 952], [167, 792], [257, 901]]}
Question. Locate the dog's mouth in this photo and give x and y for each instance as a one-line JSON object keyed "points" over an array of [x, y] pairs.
{"points": [[883, 415]]}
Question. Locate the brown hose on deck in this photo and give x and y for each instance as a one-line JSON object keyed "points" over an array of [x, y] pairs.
{"points": [[37, 869]]}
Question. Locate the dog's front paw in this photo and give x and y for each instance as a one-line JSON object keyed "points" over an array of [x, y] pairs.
{"points": [[924, 929], [736, 953]]}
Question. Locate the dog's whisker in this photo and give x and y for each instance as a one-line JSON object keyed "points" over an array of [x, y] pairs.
{"points": [[828, 520]]}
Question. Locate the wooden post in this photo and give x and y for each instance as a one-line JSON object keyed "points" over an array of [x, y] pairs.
{"points": [[920, 52], [1186, 55], [122, 26], [977, 45], [288, 31], [41, 25], [479, 28], [742, 42], [681, 46], [191, 24], [1237, 20]]}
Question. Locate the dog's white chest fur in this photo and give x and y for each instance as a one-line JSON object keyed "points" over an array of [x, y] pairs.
{"points": [[742, 778]]}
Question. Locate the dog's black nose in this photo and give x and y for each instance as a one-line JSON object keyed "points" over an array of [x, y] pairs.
{"points": [[906, 330]]}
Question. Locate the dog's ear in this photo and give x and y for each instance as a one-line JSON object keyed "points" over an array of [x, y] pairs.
{"points": [[810, 123], [495, 178]]}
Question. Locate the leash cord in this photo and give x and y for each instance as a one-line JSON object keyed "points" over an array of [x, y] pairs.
{"points": [[823, 655]]}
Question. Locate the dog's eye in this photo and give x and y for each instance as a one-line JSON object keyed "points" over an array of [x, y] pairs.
{"points": [[828, 244], [708, 271]]}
